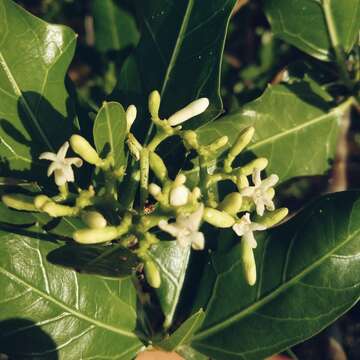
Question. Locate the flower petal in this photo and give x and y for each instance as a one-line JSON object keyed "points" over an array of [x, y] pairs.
{"points": [[248, 191], [197, 240], [239, 229], [60, 178], [270, 181], [62, 151], [169, 228], [48, 156], [74, 161], [52, 167], [250, 239], [260, 207], [256, 177]]}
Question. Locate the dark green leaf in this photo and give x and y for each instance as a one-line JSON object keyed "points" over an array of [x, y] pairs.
{"points": [[302, 23], [34, 107], [110, 132], [172, 261], [289, 122], [14, 217], [182, 336], [179, 54], [115, 29], [83, 314], [307, 277]]}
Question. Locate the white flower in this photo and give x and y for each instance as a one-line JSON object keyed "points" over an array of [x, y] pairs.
{"points": [[131, 113], [259, 192], [245, 228], [60, 166], [195, 108], [186, 229], [179, 195]]}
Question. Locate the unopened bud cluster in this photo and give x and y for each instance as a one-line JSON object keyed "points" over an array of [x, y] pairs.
{"points": [[150, 206]]}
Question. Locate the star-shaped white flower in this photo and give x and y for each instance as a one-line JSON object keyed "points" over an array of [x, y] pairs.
{"points": [[186, 229], [60, 166], [245, 228], [259, 192]]}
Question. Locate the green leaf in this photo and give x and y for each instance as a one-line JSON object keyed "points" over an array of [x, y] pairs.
{"points": [[35, 112], [115, 29], [172, 261], [14, 217], [180, 55], [83, 314], [182, 336], [302, 23], [289, 120], [306, 279], [110, 132]]}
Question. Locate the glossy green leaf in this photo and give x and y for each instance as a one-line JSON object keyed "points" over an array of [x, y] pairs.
{"points": [[110, 132], [302, 23], [115, 29], [172, 261], [289, 122], [306, 279], [181, 337], [180, 55], [35, 111], [14, 217], [81, 314]]}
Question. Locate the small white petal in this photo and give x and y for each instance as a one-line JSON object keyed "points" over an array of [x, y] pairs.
{"points": [[52, 167], [270, 181], [60, 178], [248, 191], [260, 207], [74, 161], [179, 196], [256, 177], [169, 228], [239, 229], [62, 151], [250, 239], [68, 173], [183, 241], [197, 240], [48, 156]]}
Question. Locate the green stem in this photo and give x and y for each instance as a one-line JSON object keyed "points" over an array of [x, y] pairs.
{"points": [[337, 46], [291, 354], [144, 177]]}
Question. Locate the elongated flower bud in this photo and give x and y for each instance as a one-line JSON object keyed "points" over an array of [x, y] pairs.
{"points": [[157, 166], [131, 113], [152, 274], [260, 164], [154, 190], [57, 210], [93, 219], [154, 104], [217, 218], [248, 262], [218, 144], [83, 148], [95, 236], [195, 108], [41, 200], [274, 217], [134, 146], [231, 203], [19, 202]]}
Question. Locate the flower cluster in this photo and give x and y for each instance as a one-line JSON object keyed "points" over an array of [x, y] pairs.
{"points": [[145, 212]]}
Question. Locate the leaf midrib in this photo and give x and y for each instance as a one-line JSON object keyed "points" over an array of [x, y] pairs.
{"points": [[250, 309], [67, 308]]}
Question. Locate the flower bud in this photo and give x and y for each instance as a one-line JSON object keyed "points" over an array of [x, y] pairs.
{"points": [[217, 218], [248, 262], [157, 166], [93, 219], [195, 108], [180, 180], [58, 210], [179, 196], [131, 113], [242, 182], [41, 200], [95, 236], [83, 148], [19, 202], [231, 203], [260, 164], [274, 217], [154, 190], [154, 104], [242, 141], [152, 274]]}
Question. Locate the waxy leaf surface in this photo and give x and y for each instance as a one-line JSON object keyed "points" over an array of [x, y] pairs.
{"points": [[76, 313], [308, 275], [302, 23], [35, 113]]}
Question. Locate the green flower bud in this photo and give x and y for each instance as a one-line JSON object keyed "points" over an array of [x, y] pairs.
{"points": [[58, 210], [273, 217], [95, 236], [152, 274], [242, 182], [83, 148], [190, 139], [134, 146], [248, 262], [218, 218], [93, 219], [19, 202], [231, 203], [260, 163], [154, 104], [218, 144], [41, 200], [158, 167]]}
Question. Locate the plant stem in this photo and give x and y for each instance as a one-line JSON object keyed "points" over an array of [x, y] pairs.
{"points": [[337, 46], [144, 177]]}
